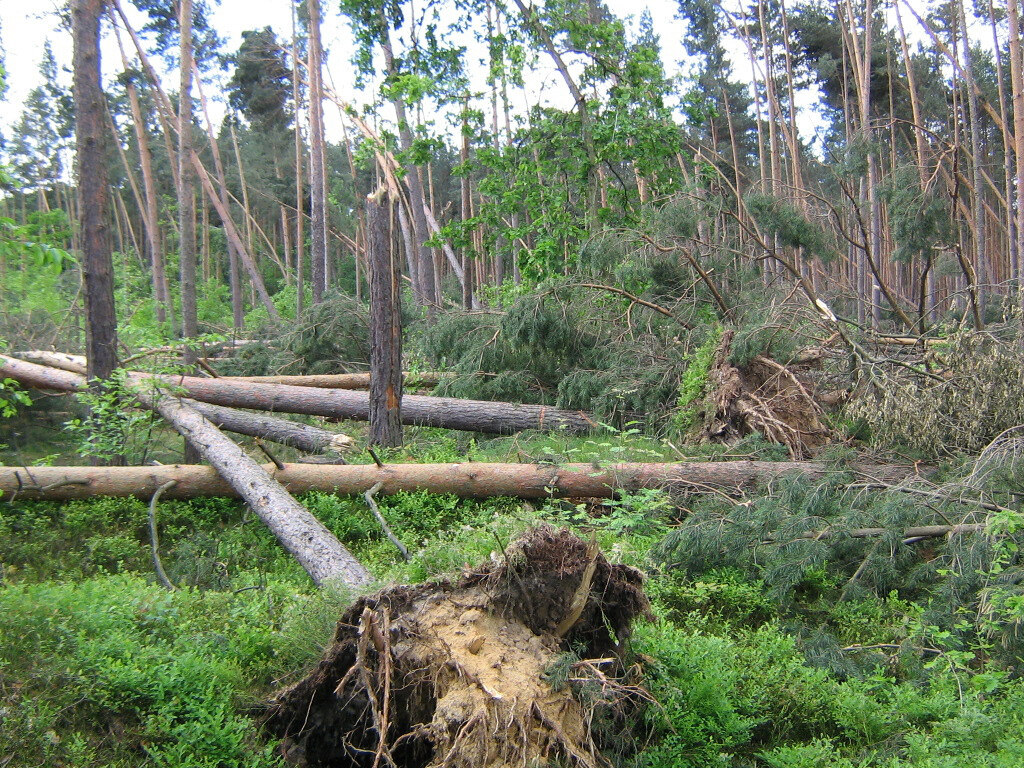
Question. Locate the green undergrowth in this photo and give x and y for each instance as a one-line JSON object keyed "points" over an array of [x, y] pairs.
{"points": [[765, 649]]}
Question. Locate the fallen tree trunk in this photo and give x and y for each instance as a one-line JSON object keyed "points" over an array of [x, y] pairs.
{"points": [[60, 360], [300, 436], [425, 380], [343, 380], [417, 410], [470, 480], [318, 550]]}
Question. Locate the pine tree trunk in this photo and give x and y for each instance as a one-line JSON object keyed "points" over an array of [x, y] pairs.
{"points": [[90, 133], [977, 183], [150, 213], [466, 480], [317, 170], [1017, 100], [234, 276], [417, 410], [316, 548], [186, 185], [300, 236], [385, 327]]}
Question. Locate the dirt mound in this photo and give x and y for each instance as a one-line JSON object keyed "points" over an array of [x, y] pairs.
{"points": [[453, 675], [764, 396]]}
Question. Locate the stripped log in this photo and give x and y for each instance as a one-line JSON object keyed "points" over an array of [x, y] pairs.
{"points": [[59, 360], [469, 480], [417, 410]]}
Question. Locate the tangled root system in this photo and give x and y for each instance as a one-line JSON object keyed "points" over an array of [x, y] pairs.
{"points": [[453, 674], [763, 396]]}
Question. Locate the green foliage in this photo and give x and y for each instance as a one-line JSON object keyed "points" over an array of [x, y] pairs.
{"points": [[793, 229], [113, 427], [693, 386], [168, 671], [562, 346], [920, 219], [332, 337], [12, 398]]}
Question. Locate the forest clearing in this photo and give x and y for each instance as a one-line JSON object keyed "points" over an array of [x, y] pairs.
{"points": [[559, 384]]}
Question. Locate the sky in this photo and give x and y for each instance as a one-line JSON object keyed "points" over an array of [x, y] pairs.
{"points": [[26, 24]]}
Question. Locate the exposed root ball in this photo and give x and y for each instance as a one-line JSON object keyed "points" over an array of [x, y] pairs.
{"points": [[766, 397], [454, 675]]}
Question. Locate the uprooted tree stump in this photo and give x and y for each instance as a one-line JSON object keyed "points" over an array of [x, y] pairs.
{"points": [[763, 396], [453, 674]]}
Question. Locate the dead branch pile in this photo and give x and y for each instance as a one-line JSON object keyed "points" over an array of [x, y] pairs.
{"points": [[452, 675]]}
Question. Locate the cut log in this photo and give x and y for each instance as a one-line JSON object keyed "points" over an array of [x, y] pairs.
{"points": [[300, 436], [417, 410], [470, 480], [319, 552]]}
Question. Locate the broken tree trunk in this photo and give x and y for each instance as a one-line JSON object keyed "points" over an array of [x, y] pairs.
{"points": [[417, 410], [301, 436], [385, 399], [470, 480], [318, 550]]}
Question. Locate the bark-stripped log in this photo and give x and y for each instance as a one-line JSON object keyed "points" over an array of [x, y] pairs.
{"points": [[417, 410], [317, 549], [470, 480], [61, 360]]}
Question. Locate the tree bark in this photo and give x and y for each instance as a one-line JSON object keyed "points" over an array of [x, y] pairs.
{"points": [[418, 410], [186, 185], [317, 164], [425, 380], [419, 256], [300, 436], [90, 132], [300, 238], [319, 552], [150, 214], [332, 380], [385, 326], [469, 480]]}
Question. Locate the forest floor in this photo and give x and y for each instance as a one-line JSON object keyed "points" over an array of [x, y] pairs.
{"points": [[763, 648]]}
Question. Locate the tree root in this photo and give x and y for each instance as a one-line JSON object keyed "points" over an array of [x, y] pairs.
{"points": [[450, 675]]}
